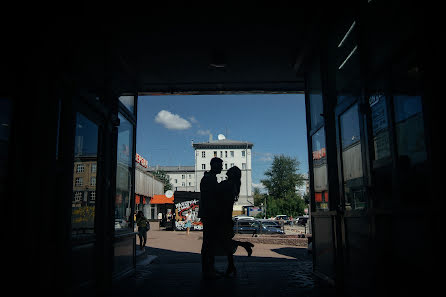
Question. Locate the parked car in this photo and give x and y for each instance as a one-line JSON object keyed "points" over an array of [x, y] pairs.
{"points": [[269, 223], [284, 218], [302, 221], [255, 227], [242, 217]]}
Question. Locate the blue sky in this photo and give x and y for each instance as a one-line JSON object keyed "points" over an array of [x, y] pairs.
{"points": [[274, 123]]}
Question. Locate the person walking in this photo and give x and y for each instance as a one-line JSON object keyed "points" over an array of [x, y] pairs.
{"points": [[188, 222], [207, 214], [143, 227]]}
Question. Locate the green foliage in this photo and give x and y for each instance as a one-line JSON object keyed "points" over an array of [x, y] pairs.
{"points": [[162, 176], [259, 198], [282, 177], [281, 182]]}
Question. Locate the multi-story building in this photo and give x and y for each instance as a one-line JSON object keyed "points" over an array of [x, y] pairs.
{"points": [[233, 153], [182, 178]]}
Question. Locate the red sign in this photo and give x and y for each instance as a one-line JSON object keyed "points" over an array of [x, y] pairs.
{"points": [[141, 161], [319, 154]]}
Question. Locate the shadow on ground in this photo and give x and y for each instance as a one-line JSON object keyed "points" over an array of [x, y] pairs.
{"points": [[179, 274]]}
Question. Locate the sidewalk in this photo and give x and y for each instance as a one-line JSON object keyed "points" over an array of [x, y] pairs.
{"points": [[175, 270]]}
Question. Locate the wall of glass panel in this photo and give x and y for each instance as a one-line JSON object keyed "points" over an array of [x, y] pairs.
{"points": [[84, 177], [124, 175]]}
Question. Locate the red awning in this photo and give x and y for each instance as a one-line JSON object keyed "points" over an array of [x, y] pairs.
{"points": [[161, 199]]}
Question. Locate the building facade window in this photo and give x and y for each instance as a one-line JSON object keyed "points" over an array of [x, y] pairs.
{"points": [[221, 154], [203, 154], [93, 181], [79, 182], [203, 166], [93, 168], [78, 197], [215, 153], [232, 154], [182, 176], [226, 165], [80, 168], [243, 153], [244, 166], [232, 164], [226, 154], [85, 150]]}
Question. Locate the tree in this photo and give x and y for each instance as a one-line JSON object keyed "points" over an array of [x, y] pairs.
{"points": [[164, 178], [258, 197], [281, 182], [282, 177]]}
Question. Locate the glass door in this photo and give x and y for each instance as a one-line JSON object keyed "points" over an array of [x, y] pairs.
{"points": [[353, 181]]}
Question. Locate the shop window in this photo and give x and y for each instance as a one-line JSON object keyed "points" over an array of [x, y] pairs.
{"points": [[85, 150], [320, 170], [352, 159], [380, 127], [124, 175], [128, 102], [409, 129], [316, 110]]}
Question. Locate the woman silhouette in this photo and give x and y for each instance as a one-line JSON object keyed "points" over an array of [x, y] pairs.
{"points": [[229, 192]]}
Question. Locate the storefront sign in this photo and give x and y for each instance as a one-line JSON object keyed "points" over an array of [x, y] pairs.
{"points": [[144, 163]]}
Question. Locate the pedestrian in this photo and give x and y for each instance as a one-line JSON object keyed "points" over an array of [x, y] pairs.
{"points": [[188, 222], [143, 227]]}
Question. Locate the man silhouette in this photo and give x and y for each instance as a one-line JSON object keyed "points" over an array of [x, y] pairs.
{"points": [[207, 212]]}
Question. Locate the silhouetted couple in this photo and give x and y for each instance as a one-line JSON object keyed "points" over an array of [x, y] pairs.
{"points": [[215, 211]]}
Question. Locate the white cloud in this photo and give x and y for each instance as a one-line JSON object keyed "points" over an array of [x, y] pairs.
{"points": [[259, 185], [264, 157], [172, 121], [193, 120], [204, 132]]}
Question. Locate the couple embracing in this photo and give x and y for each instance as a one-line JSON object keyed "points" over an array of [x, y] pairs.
{"points": [[215, 211]]}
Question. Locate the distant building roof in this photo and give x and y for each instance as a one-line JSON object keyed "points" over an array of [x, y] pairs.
{"points": [[223, 143]]}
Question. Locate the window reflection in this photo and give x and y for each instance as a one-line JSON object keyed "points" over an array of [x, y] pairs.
{"points": [[316, 109], [84, 193], [409, 129], [380, 126], [124, 175], [129, 102], [352, 159], [320, 170]]}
